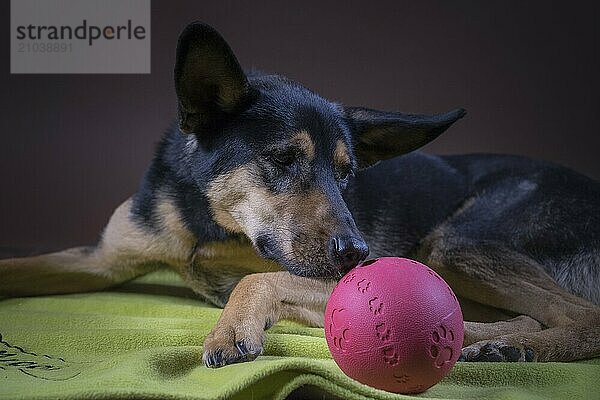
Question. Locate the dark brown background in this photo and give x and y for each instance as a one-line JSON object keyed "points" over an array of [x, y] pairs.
{"points": [[74, 146]]}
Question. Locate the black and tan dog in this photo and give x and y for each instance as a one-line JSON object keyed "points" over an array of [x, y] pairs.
{"points": [[267, 193]]}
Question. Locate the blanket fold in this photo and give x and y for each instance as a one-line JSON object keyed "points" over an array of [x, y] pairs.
{"points": [[144, 341]]}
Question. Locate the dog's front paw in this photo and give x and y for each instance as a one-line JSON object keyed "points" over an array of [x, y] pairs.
{"points": [[233, 342], [497, 350]]}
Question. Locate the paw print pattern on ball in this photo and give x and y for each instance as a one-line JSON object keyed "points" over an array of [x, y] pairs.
{"points": [[382, 331], [390, 356], [441, 349], [339, 329], [376, 306], [363, 285], [401, 377], [349, 278], [394, 325]]}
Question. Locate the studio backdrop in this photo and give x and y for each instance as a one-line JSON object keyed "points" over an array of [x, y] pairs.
{"points": [[74, 146]]}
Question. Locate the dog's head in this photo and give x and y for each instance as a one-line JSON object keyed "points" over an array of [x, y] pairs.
{"points": [[274, 158]]}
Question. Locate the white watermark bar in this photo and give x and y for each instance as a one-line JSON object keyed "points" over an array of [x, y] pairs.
{"points": [[80, 37]]}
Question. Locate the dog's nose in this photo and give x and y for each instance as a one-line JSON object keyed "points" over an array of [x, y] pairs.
{"points": [[348, 251]]}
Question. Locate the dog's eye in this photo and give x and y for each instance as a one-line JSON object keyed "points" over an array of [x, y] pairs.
{"points": [[283, 160], [343, 177]]}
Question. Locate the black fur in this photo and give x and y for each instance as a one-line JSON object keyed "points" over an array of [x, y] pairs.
{"points": [[536, 208]]}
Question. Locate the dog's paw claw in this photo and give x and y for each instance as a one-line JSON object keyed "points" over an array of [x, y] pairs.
{"points": [[529, 355], [221, 347], [214, 359], [246, 353], [241, 347], [496, 351]]}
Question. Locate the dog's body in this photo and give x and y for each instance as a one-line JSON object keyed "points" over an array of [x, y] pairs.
{"points": [[248, 208]]}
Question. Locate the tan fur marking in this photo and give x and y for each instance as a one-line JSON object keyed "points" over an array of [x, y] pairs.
{"points": [[311, 213], [304, 142], [341, 158], [125, 251], [233, 254], [240, 202], [172, 244], [477, 331], [302, 223]]}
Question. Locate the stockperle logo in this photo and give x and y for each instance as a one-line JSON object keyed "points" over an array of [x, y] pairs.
{"points": [[80, 36]]}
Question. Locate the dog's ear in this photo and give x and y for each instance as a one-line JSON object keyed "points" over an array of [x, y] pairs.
{"points": [[209, 81], [380, 135]]}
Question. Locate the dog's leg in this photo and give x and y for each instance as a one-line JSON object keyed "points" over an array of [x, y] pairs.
{"points": [[125, 251], [479, 331], [74, 270], [570, 342], [257, 302], [499, 277]]}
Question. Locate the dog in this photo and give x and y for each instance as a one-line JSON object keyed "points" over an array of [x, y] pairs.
{"points": [[266, 194]]}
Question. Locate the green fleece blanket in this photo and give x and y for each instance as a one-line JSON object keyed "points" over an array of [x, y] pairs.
{"points": [[144, 341]]}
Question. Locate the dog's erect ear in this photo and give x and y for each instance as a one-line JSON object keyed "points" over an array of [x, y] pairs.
{"points": [[380, 135], [209, 81]]}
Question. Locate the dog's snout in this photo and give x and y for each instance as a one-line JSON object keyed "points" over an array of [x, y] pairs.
{"points": [[348, 251]]}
